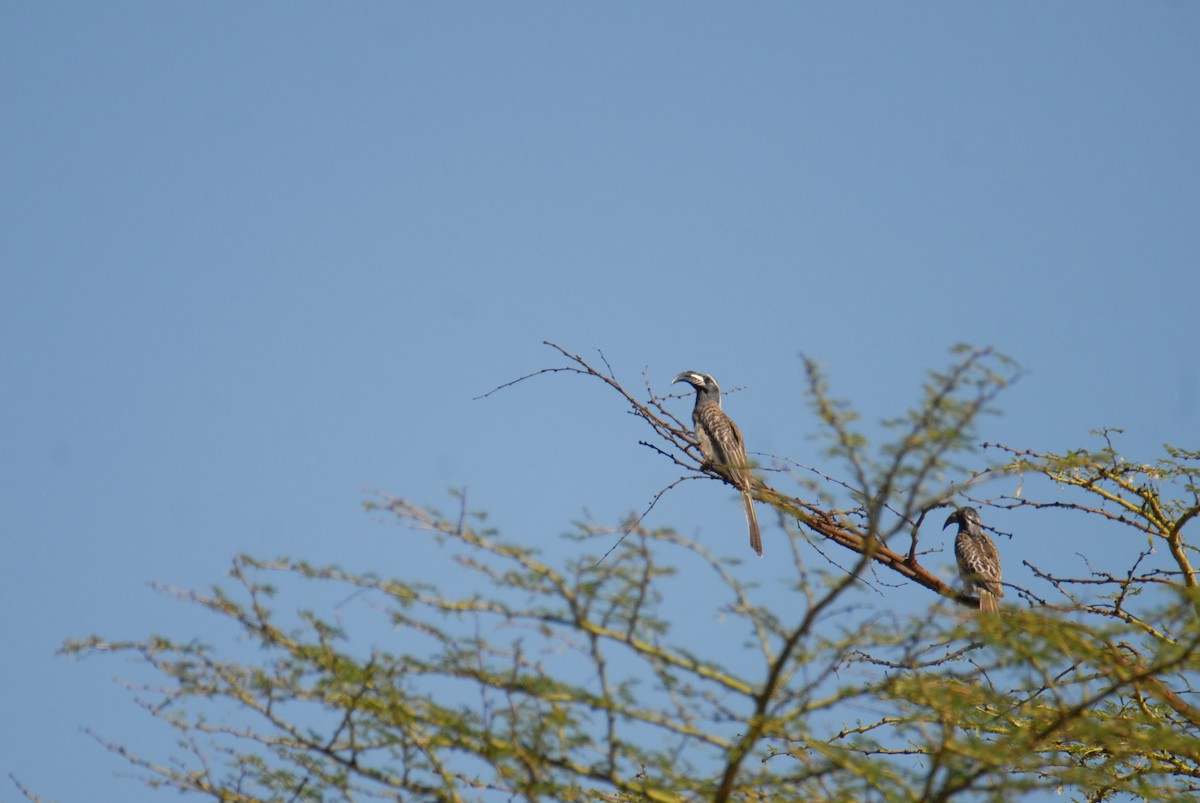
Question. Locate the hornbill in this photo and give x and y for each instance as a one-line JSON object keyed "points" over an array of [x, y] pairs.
{"points": [[978, 560], [721, 444]]}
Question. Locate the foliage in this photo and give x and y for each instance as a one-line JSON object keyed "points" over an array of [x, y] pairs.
{"points": [[577, 680]]}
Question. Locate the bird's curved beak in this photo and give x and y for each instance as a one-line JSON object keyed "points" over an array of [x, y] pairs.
{"points": [[951, 520], [682, 378]]}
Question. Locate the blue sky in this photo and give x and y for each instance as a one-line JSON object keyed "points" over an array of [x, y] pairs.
{"points": [[260, 258]]}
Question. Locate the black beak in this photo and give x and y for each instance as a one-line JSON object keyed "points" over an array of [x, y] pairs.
{"points": [[953, 519], [684, 377]]}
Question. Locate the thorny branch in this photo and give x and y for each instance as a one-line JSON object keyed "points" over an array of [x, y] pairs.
{"points": [[676, 443]]}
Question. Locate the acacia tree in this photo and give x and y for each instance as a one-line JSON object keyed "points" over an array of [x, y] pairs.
{"points": [[571, 680]]}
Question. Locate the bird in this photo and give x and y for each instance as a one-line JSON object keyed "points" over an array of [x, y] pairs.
{"points": [[721, 444], [978, 559]]}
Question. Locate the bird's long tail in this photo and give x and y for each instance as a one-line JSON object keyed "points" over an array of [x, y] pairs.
{"points": [[989, 603], [752, 523]]}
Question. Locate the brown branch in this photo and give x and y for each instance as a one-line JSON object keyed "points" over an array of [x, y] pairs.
{"points": [[826, 524]]}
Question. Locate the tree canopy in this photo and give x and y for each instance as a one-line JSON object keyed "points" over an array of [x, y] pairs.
{"points": [[540, 679]]}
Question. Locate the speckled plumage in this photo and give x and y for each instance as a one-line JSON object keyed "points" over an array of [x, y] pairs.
{"points": [[721, 444], [978, 559]]}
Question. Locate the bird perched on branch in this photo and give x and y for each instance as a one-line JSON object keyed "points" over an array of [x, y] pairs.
{"points": [[978, 559], [721, 444]]}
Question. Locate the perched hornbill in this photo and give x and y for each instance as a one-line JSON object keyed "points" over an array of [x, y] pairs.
{"points": [[978, 560], [721, 444]]}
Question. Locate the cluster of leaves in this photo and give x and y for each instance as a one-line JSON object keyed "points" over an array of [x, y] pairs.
{"points": [[576, 680]]}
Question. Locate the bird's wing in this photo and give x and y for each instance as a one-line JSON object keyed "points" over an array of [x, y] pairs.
{"points": [[729, 452], [991, 556], [981, 563]]}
